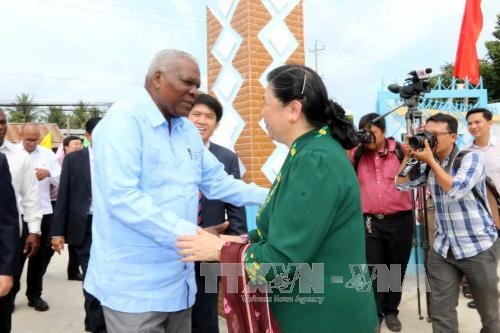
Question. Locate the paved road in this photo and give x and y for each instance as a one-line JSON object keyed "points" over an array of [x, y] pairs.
{"points": [[66, 308]]}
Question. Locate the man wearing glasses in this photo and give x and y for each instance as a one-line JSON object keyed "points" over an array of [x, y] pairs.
{"points": [[465, 232]]}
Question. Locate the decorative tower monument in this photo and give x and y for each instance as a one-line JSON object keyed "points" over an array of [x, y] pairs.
{"points": [[247, 39]]}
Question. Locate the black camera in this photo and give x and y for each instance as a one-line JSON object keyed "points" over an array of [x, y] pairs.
{"points": [[417, 141], [365, 136], [416, 84]]}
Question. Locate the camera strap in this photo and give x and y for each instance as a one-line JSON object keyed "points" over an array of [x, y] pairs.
{"points": [[488, 183], [398, 150]]}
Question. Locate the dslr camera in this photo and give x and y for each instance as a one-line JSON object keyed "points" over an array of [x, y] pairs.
{"points": [[417, 141], [365, 136]]}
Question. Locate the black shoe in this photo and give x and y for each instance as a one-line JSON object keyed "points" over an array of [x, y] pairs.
{"points": [[77, 277], [466, 291], [39, 304], [393, 323], [471, 304]]}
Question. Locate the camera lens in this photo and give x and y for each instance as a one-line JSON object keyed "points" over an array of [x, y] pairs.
{"points": [[417, 141], [365, 137]]}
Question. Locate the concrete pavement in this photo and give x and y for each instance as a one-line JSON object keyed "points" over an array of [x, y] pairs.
{"points": [[66, 308]]}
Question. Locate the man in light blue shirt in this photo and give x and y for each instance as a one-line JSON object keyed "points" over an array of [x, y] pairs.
{"points": [[150, 164]]}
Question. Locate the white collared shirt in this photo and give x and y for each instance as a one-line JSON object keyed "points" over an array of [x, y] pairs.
{"points": [[43, 158], [491, 157], [25, 184]]}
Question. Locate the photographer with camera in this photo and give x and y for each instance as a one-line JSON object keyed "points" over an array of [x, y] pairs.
{"points": [[465, 232], [387, 212]]}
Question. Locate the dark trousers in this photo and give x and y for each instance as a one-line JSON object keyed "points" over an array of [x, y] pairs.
{"points": [[389, 242], [73, 264], [37, 265], [94, 317], [6, 303], [204, 316], [445, 275]]}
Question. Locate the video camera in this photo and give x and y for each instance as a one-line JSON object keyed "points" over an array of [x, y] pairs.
{"points": [[416, 84]]}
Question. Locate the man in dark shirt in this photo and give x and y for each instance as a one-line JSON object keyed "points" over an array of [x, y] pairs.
{"points": [[73, 219], [206, 114], [9, 242]]}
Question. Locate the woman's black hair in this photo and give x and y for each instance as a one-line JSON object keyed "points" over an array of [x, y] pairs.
{"points": [[298, 82]]}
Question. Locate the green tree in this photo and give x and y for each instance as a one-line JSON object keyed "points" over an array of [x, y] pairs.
{"points": [[56, 115], [95, 112], [446, 76], [489, 67], [24, 111], [80, 115], [491, 70]]}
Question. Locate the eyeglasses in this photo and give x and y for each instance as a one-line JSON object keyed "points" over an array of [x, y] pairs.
{"points": [[438, 133]]}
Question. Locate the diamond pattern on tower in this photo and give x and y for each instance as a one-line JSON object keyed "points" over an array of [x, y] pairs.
{"points": [[229, 80]]}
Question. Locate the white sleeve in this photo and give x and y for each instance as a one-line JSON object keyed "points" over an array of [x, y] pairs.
{"points": [[30, 197], [54, 168]]}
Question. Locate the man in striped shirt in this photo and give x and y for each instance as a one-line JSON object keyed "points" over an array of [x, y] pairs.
{"points": [[465, 232]]}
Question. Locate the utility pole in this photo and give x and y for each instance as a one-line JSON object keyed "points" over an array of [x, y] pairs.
{"points": [[316, 51]]}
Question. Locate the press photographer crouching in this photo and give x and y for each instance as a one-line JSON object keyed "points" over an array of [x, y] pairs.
{"points": [[387, 213], [465, 233]]}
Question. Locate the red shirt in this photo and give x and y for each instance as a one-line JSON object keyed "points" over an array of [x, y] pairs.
{"points": [[376, 173]]}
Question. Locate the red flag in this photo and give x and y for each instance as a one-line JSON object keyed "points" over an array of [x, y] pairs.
{"points": [[466, 62]]}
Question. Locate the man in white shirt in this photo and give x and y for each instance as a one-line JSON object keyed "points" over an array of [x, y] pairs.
{"points": [[479, 122], [47, 171], [28, 201]]}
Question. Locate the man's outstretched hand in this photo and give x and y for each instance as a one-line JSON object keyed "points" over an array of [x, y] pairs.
{"points": [[217, 229]]}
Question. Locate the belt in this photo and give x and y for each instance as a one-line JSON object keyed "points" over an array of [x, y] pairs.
{"points": [[381, 216]]}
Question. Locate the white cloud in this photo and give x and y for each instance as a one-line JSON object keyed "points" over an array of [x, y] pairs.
{"points": [[97, 50], [106, 45], [370, 41]]}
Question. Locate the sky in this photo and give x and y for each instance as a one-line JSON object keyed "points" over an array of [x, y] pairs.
{"points": [[99, 50]]}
